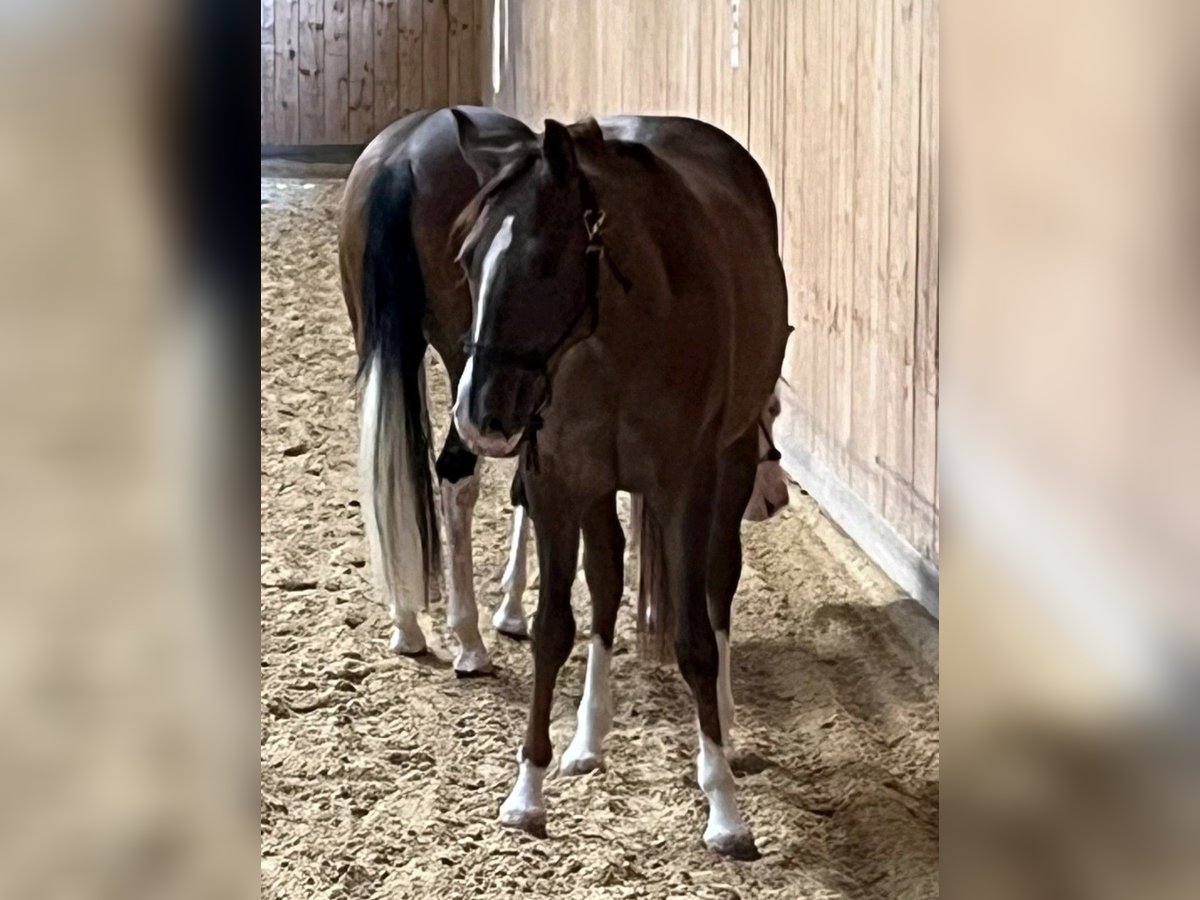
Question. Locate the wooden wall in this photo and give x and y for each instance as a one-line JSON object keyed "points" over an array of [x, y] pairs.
{"points": [[338, 71], [838, 100]]}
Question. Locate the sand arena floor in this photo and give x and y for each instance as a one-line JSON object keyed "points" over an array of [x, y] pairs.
{"points": [[382, 777]]}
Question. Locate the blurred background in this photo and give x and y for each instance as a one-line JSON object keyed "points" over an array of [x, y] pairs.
{"points": [[1068, 428]]}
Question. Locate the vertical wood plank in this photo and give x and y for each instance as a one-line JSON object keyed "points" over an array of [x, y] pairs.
{"points": [[337, 72], [362, 70], [287, 85], [410, 71], [464, 52], [872, 124], [266, 72], [768, 105], [809, 214], [311, 64], [925, 331], [840, 373], [435, 54], [897, 362], [387, 63]]}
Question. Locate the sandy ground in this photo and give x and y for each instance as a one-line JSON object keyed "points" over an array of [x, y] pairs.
{"points": [[382, 777]]}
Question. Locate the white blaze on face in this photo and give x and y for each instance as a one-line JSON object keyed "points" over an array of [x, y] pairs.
{"points": [[466, 428], [487, 273]]}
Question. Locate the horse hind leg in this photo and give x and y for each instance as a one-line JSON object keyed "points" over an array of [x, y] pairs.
{"points": [[603, 551], [736, 482], [509, 618], [457, 470], [696, 649]]}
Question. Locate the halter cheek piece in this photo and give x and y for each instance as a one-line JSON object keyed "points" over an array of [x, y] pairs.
{"points": [[539, 361]]}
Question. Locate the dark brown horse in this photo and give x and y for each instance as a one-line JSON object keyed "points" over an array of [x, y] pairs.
{"points": [[404, 292], [629, 327]]}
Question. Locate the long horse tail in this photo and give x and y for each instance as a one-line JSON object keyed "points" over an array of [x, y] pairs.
{"points": [[394, 442], [655, 616]]}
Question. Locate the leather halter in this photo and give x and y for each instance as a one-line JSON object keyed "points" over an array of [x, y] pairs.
{"points": [[539, 361]]}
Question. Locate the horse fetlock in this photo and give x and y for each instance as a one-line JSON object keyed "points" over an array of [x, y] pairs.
{"points": [[509, 619], [525, 806], [407, 639]]}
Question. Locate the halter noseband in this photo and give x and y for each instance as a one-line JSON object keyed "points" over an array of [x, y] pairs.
{"points": [[539, 361]]}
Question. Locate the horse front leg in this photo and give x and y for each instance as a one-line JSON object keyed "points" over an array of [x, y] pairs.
{"points": [[603, 547], [557, 535]]}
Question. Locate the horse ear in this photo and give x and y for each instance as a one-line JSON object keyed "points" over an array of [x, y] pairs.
{"points": [[587, 135], [558, 149], [488, 148]]}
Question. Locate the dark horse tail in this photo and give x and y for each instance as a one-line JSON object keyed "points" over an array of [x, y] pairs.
{"points": [[655, 619], [394, 450]]}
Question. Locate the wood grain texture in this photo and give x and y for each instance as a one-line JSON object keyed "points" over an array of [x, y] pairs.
{"points": [[287, 84], [435, 52], [411, 66], [310, 70], [337, 72], [362, 69]]}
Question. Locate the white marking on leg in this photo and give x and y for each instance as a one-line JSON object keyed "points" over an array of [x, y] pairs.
{"points": [[407, 639], [727, 832], [525, 806], [458, 505], [510, 615], [395, 566], [725, 693], [586, 751]]}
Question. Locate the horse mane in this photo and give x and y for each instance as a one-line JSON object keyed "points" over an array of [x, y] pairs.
{"points": [[470, 221]]}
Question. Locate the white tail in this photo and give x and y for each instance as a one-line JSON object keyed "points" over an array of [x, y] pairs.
{"points": [[390, 495]]}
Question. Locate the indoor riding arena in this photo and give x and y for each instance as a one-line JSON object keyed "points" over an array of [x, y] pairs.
{"points": [[382, 775]]}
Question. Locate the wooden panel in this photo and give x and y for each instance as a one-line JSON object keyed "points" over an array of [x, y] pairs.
{"points": [[362, 69], [411, 66], [871, 140], [266, 71], [311, 64], [287, 86], [435, 54], [925, 332], [337, 72], [896, 344], [767, 88], [463, 66], [840, 373], [809, 212], [387, 63]]}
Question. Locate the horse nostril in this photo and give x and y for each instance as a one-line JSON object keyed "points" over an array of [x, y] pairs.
{"points": [[493, 425]]}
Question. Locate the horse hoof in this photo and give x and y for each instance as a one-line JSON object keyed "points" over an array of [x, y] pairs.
{"points": [[737, 845], [514, 627], [407, 642], [530, 820], [472, 663], [580, 763]]}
